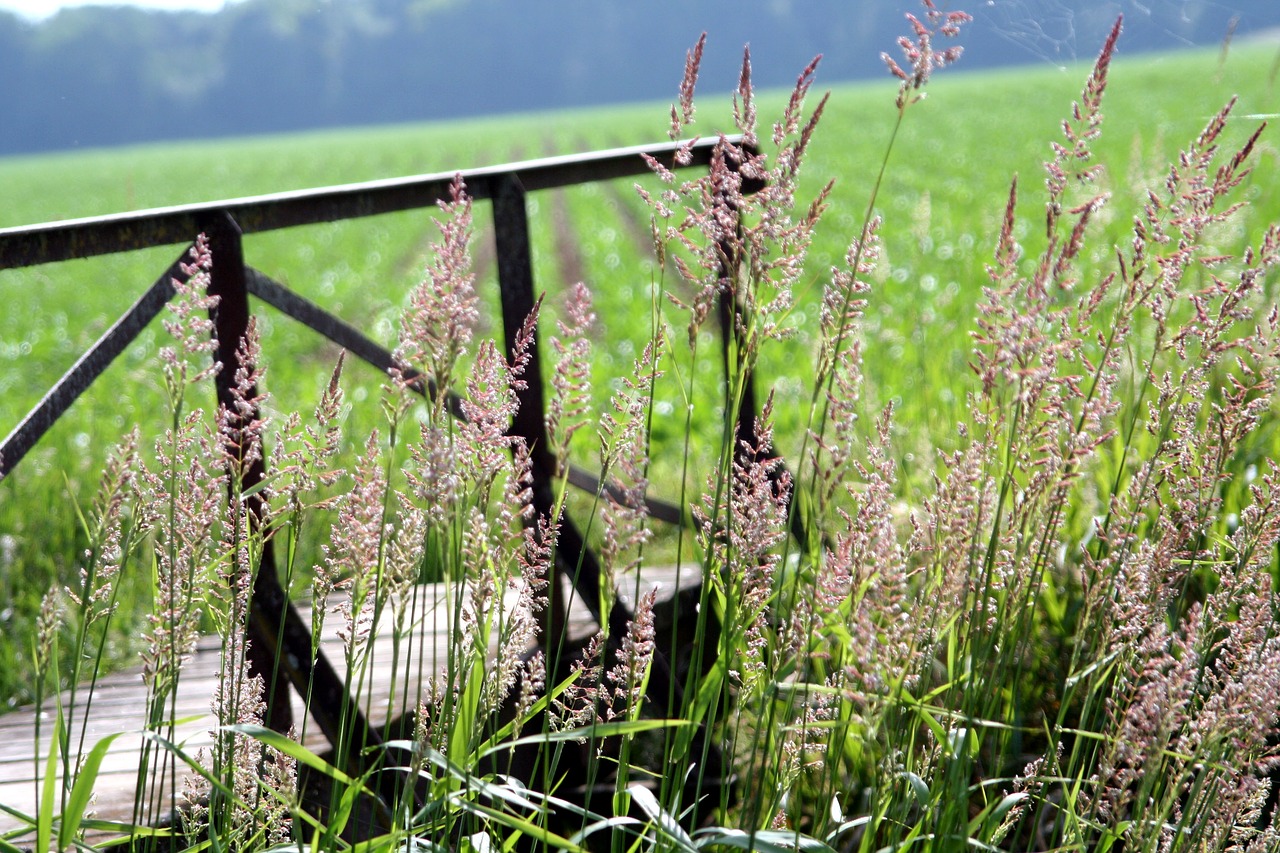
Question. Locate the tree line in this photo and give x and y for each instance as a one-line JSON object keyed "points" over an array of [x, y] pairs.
{"points": [[94, 76]]}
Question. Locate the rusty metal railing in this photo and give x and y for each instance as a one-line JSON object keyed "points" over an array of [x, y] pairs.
{"points": [[282, 641]]}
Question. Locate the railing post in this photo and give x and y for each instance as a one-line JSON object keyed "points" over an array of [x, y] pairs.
{"points": [[515, 287], [573, 557], [280, 649], [730, 340], [280, 642], [231, 321]]}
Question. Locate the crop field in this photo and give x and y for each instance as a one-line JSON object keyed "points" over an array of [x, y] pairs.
{"points": [[942, 199]]}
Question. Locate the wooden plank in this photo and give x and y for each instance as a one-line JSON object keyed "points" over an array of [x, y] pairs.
{"points": [[119, 699]]}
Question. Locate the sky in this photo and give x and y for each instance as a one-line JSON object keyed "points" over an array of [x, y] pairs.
{"points": [[38, 9]]}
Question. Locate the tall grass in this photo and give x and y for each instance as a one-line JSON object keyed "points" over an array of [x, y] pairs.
{"points": [[944, 192], [1062, 636]]}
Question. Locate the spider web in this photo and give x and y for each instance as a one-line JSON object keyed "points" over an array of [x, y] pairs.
{"points": [[1064, 31]]}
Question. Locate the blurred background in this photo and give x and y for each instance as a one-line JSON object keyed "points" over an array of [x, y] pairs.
{"points": [[76, 75]]}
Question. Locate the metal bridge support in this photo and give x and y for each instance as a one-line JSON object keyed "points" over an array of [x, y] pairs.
{"points": [[279, 639], [515, 285]]}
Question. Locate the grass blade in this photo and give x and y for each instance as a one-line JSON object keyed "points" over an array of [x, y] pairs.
{"points": [[82, 790], [44, 814]]}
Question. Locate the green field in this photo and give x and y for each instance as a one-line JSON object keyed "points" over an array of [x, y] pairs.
{"points": [[942, 200]]}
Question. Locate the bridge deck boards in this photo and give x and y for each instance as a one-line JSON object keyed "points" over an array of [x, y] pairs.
{"points": [[119, 699]]}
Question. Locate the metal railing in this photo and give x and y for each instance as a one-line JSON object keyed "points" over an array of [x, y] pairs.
{"points": [[281, 650]]}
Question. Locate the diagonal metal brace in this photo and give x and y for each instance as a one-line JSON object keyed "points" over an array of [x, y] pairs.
{"points": [[88, 368], [370, 351]]}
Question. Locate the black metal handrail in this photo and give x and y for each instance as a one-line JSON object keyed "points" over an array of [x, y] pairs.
{"points": [[50, 242]]}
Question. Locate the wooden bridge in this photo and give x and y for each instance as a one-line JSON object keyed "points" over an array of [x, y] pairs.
{"points": [[281, 648], [117, 700]]}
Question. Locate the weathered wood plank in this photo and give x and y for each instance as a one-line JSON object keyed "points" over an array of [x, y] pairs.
{"points": [[118, 704]]}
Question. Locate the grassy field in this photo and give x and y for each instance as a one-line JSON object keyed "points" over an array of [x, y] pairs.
{"points": [[942, 200]]}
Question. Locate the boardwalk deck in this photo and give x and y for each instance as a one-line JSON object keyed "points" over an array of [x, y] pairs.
{"points": [[118, 703]]}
